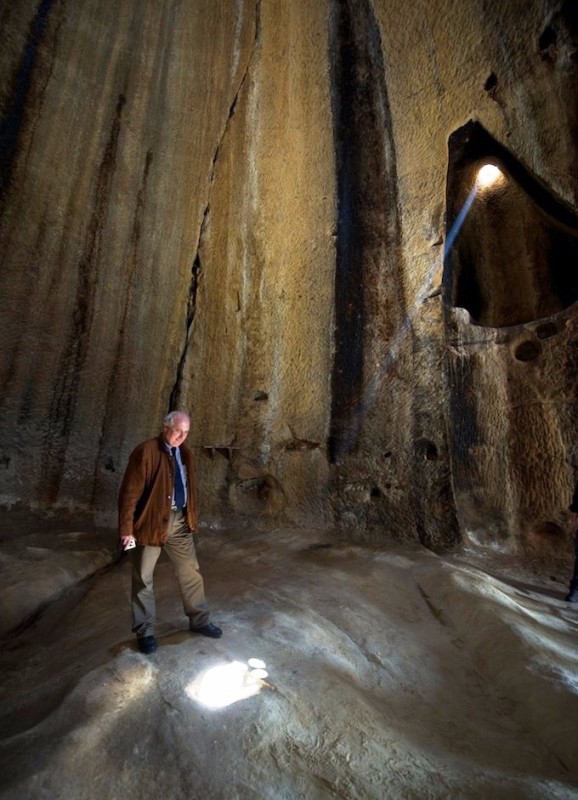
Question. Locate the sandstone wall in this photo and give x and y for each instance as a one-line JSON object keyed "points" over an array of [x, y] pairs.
{"points": [[114, 113], [242, 208]]}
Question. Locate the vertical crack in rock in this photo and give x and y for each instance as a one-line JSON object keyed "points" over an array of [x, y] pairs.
{"points": [[11, 123], [75, 352], [367, 225], [196, 270], [174, 400]]}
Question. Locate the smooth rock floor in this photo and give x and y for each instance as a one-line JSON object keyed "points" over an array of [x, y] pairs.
{"points": [[343, 672]]}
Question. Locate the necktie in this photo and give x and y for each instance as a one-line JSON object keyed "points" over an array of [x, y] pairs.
{"points": [[179, 488]]}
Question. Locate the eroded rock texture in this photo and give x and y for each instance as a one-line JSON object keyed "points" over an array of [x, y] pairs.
{"points": [[253, 209]]}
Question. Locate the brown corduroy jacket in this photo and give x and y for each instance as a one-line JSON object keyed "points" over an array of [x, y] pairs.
{"points": [[144, 500]]}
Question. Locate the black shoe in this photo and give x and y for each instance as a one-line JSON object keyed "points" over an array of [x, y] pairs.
{"points": [[209, 630], [572, 597], [147, 644]]}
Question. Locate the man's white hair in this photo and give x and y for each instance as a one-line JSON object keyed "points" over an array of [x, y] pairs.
{"points": [[173, 416]]}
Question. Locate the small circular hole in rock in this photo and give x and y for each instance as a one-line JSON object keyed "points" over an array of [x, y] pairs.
{"points": [[527, 351]]}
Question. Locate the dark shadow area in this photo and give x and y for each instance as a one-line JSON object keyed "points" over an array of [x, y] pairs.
{"points": [[367, 205]]}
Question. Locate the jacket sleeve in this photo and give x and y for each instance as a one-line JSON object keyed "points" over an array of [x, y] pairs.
{"points": [[131, 490]]}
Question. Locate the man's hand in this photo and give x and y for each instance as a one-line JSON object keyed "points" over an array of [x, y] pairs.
{"points": [[128, 542]]}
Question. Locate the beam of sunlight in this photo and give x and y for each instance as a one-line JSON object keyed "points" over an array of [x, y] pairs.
{"points": [[227, 683], [488, 177], [460, 219]]}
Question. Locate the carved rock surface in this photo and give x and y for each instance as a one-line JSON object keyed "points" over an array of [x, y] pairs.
{"points": [[245, 209]]}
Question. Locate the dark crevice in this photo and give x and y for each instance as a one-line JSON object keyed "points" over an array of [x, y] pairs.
{"points": [[302, 444], [174, 399], [365, 165], [175, 395]]}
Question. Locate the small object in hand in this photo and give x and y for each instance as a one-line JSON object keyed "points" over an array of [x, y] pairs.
{"points": [[130, 544]]}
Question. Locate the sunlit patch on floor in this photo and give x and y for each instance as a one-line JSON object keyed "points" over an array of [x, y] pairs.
{"points": [[226, 684]]}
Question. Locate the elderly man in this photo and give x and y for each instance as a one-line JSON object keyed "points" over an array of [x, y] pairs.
{"points": [[157, 510]]}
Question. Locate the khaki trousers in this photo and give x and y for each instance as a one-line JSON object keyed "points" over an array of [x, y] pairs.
{"points": [[180, 548]]}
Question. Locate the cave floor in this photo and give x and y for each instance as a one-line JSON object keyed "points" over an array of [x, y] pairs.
{"points": [[344, 671]]}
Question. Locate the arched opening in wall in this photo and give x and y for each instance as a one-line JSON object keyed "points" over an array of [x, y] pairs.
{"points": [[511, 245]]}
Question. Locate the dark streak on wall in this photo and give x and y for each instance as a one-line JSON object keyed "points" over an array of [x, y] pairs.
{"points": [[347, 368], [367, 228], [464, 430], [73, 357], [119, 365]]}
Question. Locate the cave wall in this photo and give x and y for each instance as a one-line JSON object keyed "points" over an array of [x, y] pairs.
{"points": [[113, 113], [240, 208]]}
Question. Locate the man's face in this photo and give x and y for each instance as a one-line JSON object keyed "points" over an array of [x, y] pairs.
{"points": [[176, 433]]}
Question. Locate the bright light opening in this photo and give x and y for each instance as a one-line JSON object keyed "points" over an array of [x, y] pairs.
{"points": [[225, 684], [489, 175]]}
